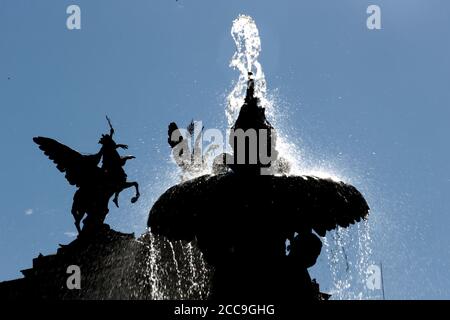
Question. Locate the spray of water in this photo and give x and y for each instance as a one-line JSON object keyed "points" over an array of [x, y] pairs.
{"points": [[248, 46]]}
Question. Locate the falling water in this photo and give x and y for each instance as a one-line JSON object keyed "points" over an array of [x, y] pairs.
{"points": [[153, 271], [174, 270], [348, 252]]}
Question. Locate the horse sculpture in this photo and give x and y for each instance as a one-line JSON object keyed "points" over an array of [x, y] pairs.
{"points": [[96, 185]]}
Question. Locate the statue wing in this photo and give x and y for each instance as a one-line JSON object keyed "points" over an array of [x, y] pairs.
{"points": [[79, 169], [172, 128]]}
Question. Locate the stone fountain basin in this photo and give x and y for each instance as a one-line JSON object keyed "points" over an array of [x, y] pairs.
{"points": [[234, 207]]}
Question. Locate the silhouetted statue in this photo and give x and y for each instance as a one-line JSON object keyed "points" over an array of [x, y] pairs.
{"points": [[96, 185], [304, 249], [242, 215], [187, 149]]}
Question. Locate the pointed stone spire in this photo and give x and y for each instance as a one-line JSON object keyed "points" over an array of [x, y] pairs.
{"points": [[252, 136]]}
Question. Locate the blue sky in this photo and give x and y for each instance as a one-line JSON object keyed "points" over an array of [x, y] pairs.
{"points": [[374, 104]]}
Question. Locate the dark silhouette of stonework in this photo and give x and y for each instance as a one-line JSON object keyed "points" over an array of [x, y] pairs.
{"points": [[96, 185], [241, 220], [104, 260], [113, 265]]}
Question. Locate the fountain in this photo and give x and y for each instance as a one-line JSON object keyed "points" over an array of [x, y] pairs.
{"points": [[242, 215]]}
